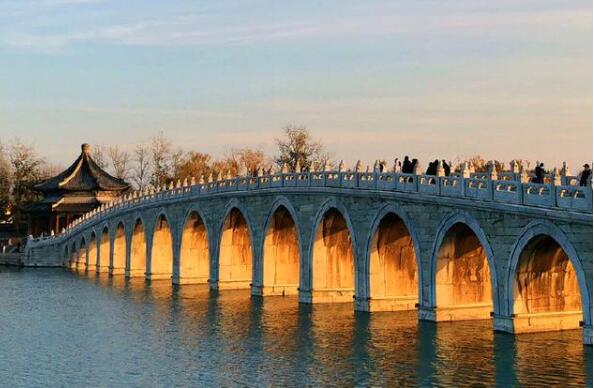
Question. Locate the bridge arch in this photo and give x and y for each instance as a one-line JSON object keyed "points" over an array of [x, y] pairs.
{"points": [[546, 283], [82, 255], [160, 265], [92, 255], [104, 250], [281, 250], [463, 280], [393, 275], [118, 257], [73, 259], [138, 249], [332, 255], [194, 261], [235, 253], [66, 256]]}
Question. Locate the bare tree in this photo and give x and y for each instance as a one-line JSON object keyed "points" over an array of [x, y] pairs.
{"points": [[120, 162], [160, 160], [221, 167], [99, 156], [5, 183], [142, 165], [194, 164], [299, 146], [177, 158], [249, 158], [25, 166]]}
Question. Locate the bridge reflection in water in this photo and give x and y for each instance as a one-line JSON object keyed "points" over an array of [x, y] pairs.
{"points": [[226, 337]]}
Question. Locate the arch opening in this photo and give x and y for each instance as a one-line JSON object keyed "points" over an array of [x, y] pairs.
{"points": [[462, 277], [235, 254], [393, 274], [92, 255], [73, 259], [162, 251], [118, 265], [137, 266], [281, 255], [66, 257], [194, 252], [81, 257], [333, 264], [104, 252], [546, 290]]}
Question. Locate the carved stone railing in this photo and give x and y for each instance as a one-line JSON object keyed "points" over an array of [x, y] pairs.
{"points": [[506, 189]]}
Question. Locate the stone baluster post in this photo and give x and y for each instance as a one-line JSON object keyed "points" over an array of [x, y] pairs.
{"points": [[492, 170], [515, 169], [465, 170]]}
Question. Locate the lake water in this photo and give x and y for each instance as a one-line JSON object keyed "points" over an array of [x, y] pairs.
{"points": [[63, 329]]}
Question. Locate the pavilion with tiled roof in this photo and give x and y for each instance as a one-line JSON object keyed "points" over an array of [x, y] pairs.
{"points": [[80, 188]]}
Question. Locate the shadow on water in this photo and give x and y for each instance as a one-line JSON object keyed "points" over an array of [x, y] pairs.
{"points": [[132, 332]]}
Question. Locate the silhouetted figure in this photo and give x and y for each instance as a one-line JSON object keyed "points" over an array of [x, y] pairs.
{"points": [[446, 168], [539, 174], [407, 166], [382, 166], [432, 169], [585, 175]]}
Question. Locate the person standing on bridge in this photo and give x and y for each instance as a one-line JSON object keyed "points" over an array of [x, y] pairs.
{"points": [[446, 168], [407, 166], [432, 169], [539, 173], [585, 175]]}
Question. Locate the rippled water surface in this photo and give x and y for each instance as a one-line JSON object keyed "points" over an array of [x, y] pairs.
{"points": [[59, 328]]}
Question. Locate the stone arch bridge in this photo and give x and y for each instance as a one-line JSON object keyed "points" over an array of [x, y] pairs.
{"points": [[455, 248]]}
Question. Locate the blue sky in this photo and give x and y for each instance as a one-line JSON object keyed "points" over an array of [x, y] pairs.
{"points": [[376, 79]]}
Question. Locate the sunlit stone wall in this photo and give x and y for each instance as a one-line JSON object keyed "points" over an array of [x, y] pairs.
{"points": [[118, 266], [162, 251], [393, 275], [235, 257], [137, 266], [462, 276], [92, 256], [281, 256], [545, 284], [104, 252], [194, 255], [333, 260]]}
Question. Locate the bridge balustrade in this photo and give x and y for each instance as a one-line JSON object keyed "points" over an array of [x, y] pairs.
{"points": [[506, 189]]}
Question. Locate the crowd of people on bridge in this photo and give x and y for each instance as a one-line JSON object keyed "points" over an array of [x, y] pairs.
{"points": [[408, 166], [584, 176]]}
